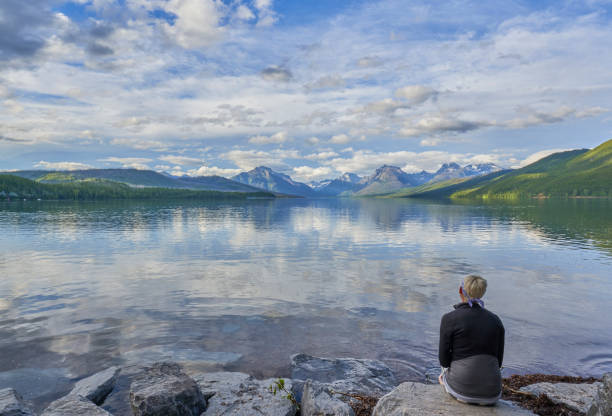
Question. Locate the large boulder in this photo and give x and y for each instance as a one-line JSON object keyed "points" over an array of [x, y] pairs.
{"points": [[12, 404], [239, 394], [418, 399], [163, 389], [346, 375], [576, 396], [330, 376], [73, 405], [319, 400], [602, 403], [97, 386]]}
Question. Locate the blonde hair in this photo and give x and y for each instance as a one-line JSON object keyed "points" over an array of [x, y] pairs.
{"points": [[475, 286]]}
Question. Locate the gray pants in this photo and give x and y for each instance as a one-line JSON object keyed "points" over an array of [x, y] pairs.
{"points": [[475, 379]]}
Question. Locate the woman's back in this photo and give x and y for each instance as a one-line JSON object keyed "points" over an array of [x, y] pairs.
{"points": [[472, 347]]}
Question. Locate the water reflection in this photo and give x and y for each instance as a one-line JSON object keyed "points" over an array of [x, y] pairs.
{"points": [[243, 286]]}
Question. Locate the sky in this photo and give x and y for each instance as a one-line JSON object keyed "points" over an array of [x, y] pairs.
{"points": [[309, 88]]}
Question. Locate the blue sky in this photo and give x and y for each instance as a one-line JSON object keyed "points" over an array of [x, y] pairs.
{"points": [[310, 88]]}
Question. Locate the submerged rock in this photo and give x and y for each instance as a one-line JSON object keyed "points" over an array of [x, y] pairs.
{"points": [[319, 400], [239, 394], [12, 404], [163, 389], [73, 405], [347, 375], [97, 386], [602, 403], [417, 399], [577, 396]]}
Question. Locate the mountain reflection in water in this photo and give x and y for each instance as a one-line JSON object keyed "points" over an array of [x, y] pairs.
{"points": [[243, 286]]}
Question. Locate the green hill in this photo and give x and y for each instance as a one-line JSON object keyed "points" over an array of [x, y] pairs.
{"points": [[93, 189], [446, 188], [138, 178], [575, 173]]}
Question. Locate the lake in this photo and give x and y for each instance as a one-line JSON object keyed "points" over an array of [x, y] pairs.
{"points": [[242, 286]]}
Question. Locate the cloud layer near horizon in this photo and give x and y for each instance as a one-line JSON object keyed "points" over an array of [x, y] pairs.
{"points": [[210, 87]]}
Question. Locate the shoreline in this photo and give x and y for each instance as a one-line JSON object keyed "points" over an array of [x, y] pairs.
{"points": [[343, 386]]}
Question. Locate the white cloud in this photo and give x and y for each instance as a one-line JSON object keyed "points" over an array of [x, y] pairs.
{"points": [[415, 94], [340, 139], [62, 165], [140, 144], [441, 123], [244, 13], [262, 4], [181, 160], [327, 81], [213, 171], [321, 155], [313, 141], [249, 159], [196, 24], [279, 137], [539, 155], [307, 173], [129, 162]]}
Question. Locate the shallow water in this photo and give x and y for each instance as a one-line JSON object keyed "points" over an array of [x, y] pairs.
{"points": [[243, 286]]}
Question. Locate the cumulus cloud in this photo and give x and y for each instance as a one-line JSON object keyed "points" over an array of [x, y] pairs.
{"points": [[62, 165], [386, 106], [321, 155], [22, 27], [129, 162], [244, 13], [213, 171], [276, 73], [326, 82], [538, 155], [196, 24], [312, 141], [340, 139], [140, 144], [440, 123], [308, 174], [249, 159], [181, 160], [535, 118], [415, 94], [279, 137]]}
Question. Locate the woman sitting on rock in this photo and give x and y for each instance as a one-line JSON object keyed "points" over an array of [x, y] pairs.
{"points": [[472, 347]]}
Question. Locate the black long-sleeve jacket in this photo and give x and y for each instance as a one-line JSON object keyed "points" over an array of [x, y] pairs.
{"points": [[467, 331]]}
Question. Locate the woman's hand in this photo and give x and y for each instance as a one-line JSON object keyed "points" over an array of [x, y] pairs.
{"points": [[440, 379]]}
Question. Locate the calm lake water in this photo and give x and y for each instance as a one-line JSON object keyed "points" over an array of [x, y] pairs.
{"points": [[243, 286]]}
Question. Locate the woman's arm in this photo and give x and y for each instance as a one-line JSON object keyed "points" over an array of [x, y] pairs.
{"points": [[444, 350], [500, 347]]}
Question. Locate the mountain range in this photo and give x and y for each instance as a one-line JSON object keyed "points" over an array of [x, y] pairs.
{"points": [[573, 173], [385, 179]]}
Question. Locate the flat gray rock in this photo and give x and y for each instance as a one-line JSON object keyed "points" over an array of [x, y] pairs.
{"points": [[239, 394], [602, 403], [575, 396], [318, 400], [163, 389], [12, 404], [97, 386], [72, 405], [417, 399], [347, 375]]}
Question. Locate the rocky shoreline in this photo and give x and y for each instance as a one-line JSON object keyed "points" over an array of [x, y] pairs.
{"points": [[316, 387]]}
